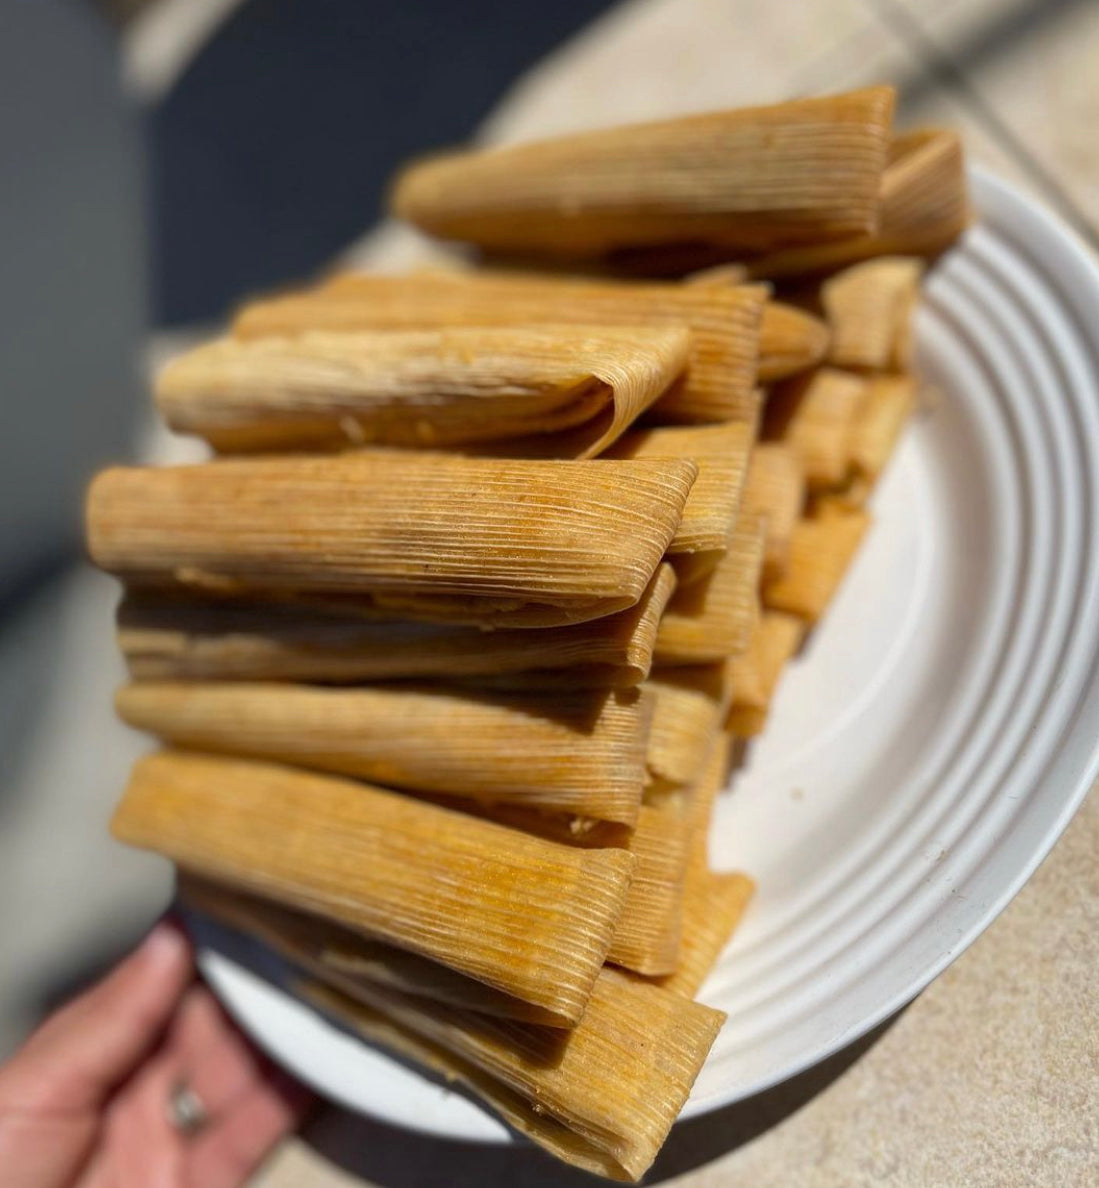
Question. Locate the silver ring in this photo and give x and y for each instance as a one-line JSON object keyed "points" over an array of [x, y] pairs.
{"points": [[185, 1109]]}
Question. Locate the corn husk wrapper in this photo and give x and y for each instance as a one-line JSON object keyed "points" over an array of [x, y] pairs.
{"points": [[724, 326], [580, 751], [395, 534], [528, 917], [719, 275], [713, 904], [889, 402], [713, 777], [869, 308], [575, 389], [709, 515], [815, 415], [753, 178], [756, 672], [821, 550], [176, 639], [602, 1096], [710, 619], [689, 708], [775, 490], [334, 951], [924, 208], [790, 341]]}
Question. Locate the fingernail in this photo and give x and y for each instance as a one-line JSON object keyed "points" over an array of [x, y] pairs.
{"points": [[165, 945]]}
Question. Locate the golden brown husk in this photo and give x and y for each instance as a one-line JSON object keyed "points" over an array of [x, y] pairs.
{"points": [[713, 618], [775, 490], [581, 751], [690, 705], [924, 208], [790, 341], [753, 178], [724, 325], [869, 308], [322, 945], [815, 415], [574, 389], [821, 550], [176, 639], [890, 400], [602, 1096], [397, 533], [526, 916], [755, 674]]}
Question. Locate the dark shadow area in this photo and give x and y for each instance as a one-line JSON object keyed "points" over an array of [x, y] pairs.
{"points": [[274, 150]]}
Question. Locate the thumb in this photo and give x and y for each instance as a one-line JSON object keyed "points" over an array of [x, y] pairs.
{"points": [[81, 1053]]}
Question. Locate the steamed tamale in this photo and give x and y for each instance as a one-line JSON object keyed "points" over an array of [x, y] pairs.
{"points": [[724, 325], [869, 309], [790, 341], [712, 618], [317, 943], [572, 388], [815, 415], [394, 534], [689, 707], [179, 639], [889, 401], [821, 550], [602, 1096], [924, 208], [529, 917], [755, 673], [580, 751], [754, 178], [775, 490]]}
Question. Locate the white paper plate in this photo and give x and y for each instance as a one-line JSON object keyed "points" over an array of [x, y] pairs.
{"points": [[926, 751]]}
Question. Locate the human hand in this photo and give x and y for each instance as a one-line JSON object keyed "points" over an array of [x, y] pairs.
{"points": [[86, 1102]]}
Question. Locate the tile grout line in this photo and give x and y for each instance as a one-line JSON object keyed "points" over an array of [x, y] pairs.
{"points": [[939, 63]]}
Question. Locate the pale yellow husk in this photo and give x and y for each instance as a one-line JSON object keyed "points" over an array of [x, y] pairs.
{"points": [[775, 490], [529, 917], [756, 672], [602, 1096], [924, 208], [574, 389], [724, 325], [753, 178], [889, 402], [580, 751], [820, 552], [689, 707], [710, 619], [397, 534], [319, 944], [176, 639], [815, 415], [869, 308]]}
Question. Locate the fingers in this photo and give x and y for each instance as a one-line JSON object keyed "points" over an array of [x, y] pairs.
{"points": [[212, 1055], [80, 1054], [227, 1154]]}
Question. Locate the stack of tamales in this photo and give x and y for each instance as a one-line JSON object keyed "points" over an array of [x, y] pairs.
{"points": [[452, 641]]}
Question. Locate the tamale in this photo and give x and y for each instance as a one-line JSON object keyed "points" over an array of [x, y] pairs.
{"points": [[790, 340], [711, 780], [889, 401], [815, 415], [713, 904], [869, 308], [601, 1096], [924, 208], [755, 673], [319, 944], [718, 274], [713, 618], [709, 515], [574, 388], [689, 708], [395, 534], [820, 552], [775, 490], [580, 751], [178, 639], [753, 178], [724, 325], [526, 916]]}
